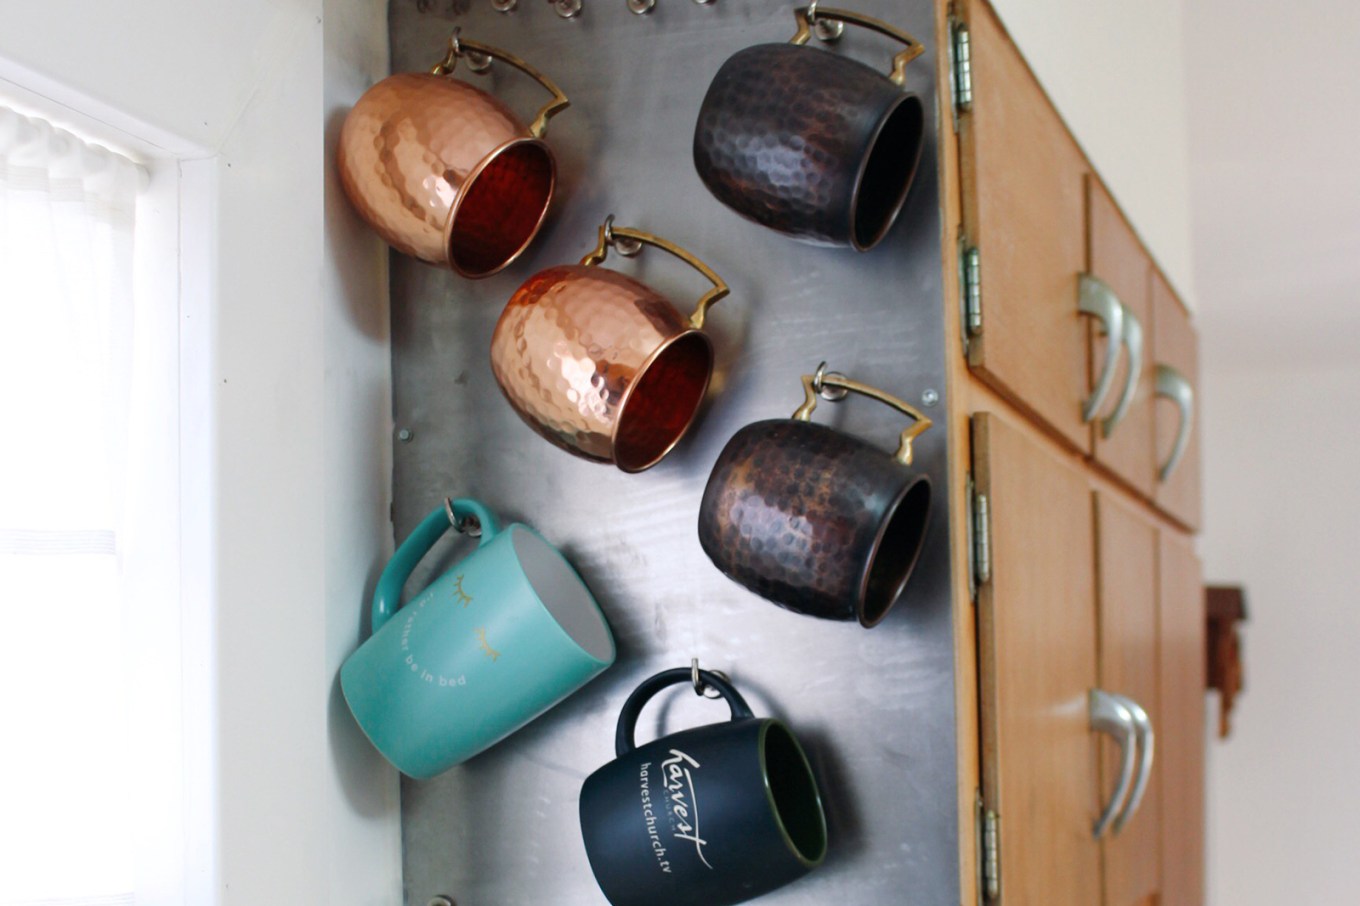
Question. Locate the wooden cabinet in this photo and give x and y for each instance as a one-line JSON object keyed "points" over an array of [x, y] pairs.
{"points": [[1024, 215], [1086, 592], [1126, 607], [1041, 238], [1089, 615], [1176, 375], [1181, 669], [1121, 429], [1037, 666]]}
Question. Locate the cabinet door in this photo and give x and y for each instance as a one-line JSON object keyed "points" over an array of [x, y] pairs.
{"points": [[1024, 212], [1122, 441], [1175, 346], [1182, 668], [1126, 568], [1036, 633]]}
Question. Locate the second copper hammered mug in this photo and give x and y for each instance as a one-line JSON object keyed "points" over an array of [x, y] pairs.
{"points": [[811, 144], [444, 171], [600, 364], [818, 521]]}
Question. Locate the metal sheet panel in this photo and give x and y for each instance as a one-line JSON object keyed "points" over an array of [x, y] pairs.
{"points": [[874, 708]]}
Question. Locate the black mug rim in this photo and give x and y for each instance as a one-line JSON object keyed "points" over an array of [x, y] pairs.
{"points": [[768, 724]]}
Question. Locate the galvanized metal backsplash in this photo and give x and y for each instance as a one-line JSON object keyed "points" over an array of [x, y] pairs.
{"points": [[874, 708]]}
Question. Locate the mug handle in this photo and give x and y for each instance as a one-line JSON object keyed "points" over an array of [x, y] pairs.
{"points": [[628, 717], [463, 514], [628, 242], [823, 380], [479, 57], [809, 16]]}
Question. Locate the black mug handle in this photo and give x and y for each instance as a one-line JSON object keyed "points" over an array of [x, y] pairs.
{"points": [[628, 717]]}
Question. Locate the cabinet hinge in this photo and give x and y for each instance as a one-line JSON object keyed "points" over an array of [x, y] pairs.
{"points": [[990, 829], [980, 537], [961, 54], [970, 291]]}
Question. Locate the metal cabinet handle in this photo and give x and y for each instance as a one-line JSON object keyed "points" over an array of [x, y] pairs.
{"points": [[1133, 345], [1174, 386], [1098, 300], [1110, 715], [1142, 725]]}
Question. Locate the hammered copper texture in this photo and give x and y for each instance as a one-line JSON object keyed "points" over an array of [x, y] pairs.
{"points": [[571, 344], [785, 132], [407, 150], [793, 511]]}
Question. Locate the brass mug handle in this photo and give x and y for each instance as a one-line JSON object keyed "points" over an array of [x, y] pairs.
{"points": [[479, 57], [823, 381], [809, 16], [628, 242]]}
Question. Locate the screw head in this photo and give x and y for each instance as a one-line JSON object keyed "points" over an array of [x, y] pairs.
{"points": [[405, 435], [930, 397]]}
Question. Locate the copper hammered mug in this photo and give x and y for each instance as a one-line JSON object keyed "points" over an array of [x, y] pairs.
{"points": [[815, 520], [600, 364], [446, 172], [814, 145]]}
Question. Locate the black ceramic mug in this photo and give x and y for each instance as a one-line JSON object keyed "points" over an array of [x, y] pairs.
{"points": [[815, 520], [709, 816], [811, 144]]}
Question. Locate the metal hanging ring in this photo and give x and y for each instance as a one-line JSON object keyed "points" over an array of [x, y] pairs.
{"points": [[504, 6], [471, 526], [830, 394], [641, 7], [625, 246], [828, 31], [701, 687], [567, 9]]}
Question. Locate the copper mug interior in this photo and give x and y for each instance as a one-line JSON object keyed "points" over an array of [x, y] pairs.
{"points": [[602, 365], [446, 172]]}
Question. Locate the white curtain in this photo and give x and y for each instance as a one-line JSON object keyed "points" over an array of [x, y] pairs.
{"points": [[67, 213]]}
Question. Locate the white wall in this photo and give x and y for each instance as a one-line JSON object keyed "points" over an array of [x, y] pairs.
{"points": [[1116, 72], [1283, 511], [1277, 249], [285, 314]]}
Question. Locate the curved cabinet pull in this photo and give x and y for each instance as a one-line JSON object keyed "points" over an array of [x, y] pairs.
{"points": [[1099, 301], [1133, 345], [1174, 386], [1110, 715], [1142, 726]]}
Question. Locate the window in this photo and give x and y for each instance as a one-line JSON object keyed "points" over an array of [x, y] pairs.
{"points": [[90, 778]]}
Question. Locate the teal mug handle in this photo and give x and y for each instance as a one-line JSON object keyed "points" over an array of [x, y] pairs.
{"points": [[463, 514]]}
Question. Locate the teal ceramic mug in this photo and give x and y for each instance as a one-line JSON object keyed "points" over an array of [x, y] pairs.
{"points": [[498, 639]]}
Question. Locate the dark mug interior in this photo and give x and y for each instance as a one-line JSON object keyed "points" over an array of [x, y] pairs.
{"points": [[898, 547], [888, 171], [793, 793]]}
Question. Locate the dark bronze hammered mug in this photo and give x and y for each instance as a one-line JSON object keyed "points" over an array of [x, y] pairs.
{"points": [[600, 364], [446, 172], [811, 144], [815, 520]]}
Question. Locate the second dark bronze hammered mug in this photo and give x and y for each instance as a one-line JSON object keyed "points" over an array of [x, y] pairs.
{"points": [[446, 172], [818, 521], [600, 364], [811, 144]]}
